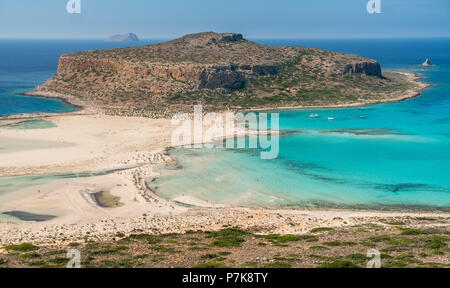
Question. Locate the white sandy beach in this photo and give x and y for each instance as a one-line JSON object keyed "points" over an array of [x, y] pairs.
{"points": [[93, 142]]}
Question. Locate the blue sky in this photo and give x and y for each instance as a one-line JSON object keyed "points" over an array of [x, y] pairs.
{"points": [[253, 18]]}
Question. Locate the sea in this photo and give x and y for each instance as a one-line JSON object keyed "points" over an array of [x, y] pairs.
{"points": [[393, 156]]}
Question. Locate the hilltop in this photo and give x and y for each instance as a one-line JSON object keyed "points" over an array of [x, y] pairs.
{"points": [[221, 71]]}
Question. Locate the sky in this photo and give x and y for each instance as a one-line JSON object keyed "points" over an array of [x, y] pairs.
{"points": [[163, 19]]}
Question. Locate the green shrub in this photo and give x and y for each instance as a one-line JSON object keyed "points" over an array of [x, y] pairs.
{"points": [[209, 256], [339, 264], [322, 229], [228, 237], [163, 249], [356, 257], [395, 264], [31, 255], [308, 238], [435, 242], [393, 223], [339, 243], [24, 247], [276, 238], [110, 250], [58, 260], [209, 265], [409, 231], [318, 248], [39, 263], [380, 238], [278, 264], [90, 246]]}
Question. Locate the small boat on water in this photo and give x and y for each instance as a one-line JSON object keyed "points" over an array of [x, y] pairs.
{"points": [[314, 116], [362, 117], [330, 118]]}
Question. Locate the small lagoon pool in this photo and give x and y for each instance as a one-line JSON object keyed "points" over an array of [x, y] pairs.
{"points": [[30, 125]]}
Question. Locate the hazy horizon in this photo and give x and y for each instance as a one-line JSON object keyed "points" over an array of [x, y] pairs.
{"points": [[251, 39], [262, 19]]}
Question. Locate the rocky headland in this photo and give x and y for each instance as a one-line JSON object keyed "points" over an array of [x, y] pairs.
{"points": [[221, 72]]}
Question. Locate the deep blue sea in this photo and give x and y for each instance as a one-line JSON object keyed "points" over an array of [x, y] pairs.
{"points": [[27, 63], [396, 157]]}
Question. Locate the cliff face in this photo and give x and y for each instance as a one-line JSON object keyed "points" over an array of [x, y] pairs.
{"points": [[197, 67], [370, 68], [70, 65], [228, 77]]}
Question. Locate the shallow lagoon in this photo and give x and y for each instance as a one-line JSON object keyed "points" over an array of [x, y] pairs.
{"points": [[386, 156], [397, 156], [30, 125]]}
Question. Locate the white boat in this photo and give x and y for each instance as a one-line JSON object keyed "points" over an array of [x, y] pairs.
{"points": [[314, 116], [330, 118]]}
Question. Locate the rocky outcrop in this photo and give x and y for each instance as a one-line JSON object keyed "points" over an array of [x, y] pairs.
{"points": [[354, 66], [223, 78], [371, 68], [69, 65], [427, 62], [228, 78]]}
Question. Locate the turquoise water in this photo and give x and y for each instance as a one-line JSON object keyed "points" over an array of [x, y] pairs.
{"points": [[30, 125], [397, 157]]}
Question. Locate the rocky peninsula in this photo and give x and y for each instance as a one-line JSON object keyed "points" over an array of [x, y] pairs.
{"points": [[221, 72]]}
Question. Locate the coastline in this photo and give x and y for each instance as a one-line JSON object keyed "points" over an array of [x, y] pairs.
{"points": [[412, 78], [81, 107], [410, 94], [101, 146], [67, 99]]}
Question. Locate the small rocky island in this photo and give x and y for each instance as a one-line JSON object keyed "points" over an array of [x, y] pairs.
{"points": [[129, 37], [427, 62], [221, 72]]}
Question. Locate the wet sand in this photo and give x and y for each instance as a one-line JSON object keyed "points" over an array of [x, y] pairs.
{"points": [[25, 216]]}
